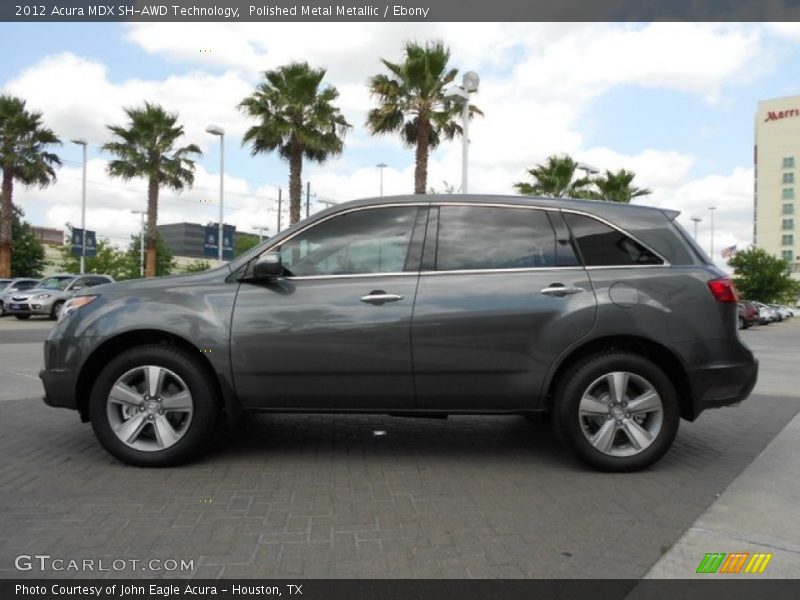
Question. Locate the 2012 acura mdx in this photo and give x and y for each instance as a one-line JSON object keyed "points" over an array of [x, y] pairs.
{"points": [[606, 316]]}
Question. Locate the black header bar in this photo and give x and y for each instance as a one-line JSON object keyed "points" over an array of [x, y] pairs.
{"points": [[277, 11]]}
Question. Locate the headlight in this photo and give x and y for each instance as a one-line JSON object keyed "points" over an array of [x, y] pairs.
{"points": [[41, 297], [73, 304]]}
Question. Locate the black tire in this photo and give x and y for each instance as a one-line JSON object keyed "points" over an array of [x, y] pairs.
{"points": [[200, 384], [578, 380], [23, 317], [56, 310]]}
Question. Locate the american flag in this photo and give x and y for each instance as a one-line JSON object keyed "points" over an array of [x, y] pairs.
{"points": [[729, 251]]}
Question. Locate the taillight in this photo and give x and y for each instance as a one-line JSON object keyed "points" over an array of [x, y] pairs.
{"points": [[722, 289]]}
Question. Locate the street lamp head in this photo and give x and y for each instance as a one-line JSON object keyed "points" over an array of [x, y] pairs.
{"points": [[79, 141], [712, 208], [215, 130], [381, 165], [588, 168], [456, 92], [470, 81]]}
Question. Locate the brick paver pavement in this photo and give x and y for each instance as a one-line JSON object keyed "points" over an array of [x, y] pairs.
{"points": [[322, 496]]}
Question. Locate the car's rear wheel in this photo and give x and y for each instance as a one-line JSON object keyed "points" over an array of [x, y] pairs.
{"points": [[154, 406], [23, 317], [616, 411]]}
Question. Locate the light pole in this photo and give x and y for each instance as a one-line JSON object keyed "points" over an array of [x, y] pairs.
{"points": [[696, 221], [460, 93], [261, 229], [217, 130], [381, 166], [141, 214], [82, 143], [712, 209]]}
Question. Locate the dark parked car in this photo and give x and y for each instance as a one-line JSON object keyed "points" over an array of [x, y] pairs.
{"points": [[607, 316], [748, 314]]}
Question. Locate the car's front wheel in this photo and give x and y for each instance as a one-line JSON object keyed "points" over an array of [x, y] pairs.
{"points": [[617, 411], [154, 406]]}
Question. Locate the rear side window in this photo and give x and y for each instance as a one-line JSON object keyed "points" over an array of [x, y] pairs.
{"points": [[604, 246], [482, 237]]}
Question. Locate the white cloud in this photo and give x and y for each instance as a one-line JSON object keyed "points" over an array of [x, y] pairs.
{"points": [[87, 100], [538, 82]]}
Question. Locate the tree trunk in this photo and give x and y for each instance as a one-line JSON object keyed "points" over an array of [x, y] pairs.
{"points": [[6, 231], [152, 232], [295, 183], [421, 168]]}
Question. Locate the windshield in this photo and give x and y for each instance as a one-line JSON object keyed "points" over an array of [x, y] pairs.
{"points": [[55, 283]]}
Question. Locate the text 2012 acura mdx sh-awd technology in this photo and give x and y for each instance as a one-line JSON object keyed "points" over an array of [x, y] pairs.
{"points": [[607, 316]]}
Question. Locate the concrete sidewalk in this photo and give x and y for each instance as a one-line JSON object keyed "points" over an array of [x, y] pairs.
{"points": [[758, 512]]}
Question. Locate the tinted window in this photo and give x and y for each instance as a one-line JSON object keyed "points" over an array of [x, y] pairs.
{"points": [[480, 237], [93, 281], [55, 283], [364, 241], [603, 246]]}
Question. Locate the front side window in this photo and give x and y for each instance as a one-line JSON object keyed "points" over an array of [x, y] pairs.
{"points": [[360, 242], [485, 237], [55, 283], [604, 246]]}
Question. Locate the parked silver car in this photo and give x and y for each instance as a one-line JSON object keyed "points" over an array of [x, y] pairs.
{"points": [[10, 286], [50, 295]]}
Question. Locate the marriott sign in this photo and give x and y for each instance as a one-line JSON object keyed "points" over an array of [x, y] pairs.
{"points": [[776, 115]]}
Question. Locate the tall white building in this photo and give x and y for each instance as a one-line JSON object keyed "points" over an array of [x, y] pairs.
{"points": [[777, 179]]}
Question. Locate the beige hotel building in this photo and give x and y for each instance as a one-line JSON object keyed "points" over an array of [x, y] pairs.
{"points": [[777, 179]]}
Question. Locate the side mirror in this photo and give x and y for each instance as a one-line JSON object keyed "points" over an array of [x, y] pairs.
{"points": [[268, 266]]}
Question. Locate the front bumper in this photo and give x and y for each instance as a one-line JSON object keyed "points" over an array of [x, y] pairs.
{"points": [[721, 385], [29, 307], [59, 388]]}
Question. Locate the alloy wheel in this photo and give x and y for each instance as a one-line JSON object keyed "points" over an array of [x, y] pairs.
{"points": [[621, 414], [149, 408]]}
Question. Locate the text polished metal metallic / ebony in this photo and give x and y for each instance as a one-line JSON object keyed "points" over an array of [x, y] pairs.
{"points": [[606, 316]]}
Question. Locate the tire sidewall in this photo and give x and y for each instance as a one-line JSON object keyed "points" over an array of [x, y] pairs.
{"points": [[197, 380], [577, 381]]}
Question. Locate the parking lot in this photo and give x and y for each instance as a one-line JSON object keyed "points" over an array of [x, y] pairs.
{"points": [[324, 496]]}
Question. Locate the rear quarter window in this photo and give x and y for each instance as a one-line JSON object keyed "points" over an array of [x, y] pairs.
{"points": [[603, 246]]}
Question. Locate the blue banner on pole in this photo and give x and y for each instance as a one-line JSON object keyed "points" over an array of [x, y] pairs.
{"points": [[210, 241], [78, 239]]}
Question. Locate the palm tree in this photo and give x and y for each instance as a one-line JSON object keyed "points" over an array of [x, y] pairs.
{"points": [[616, 187], [24, 157], [411, 100], [146, 148], [556, 178], [297, 119]]}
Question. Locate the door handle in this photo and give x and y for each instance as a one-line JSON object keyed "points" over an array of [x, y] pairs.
{"points": [[559, 290], [378, 297]]}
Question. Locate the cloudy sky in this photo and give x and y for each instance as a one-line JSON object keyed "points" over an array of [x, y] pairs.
{"points": [[673, 102]]}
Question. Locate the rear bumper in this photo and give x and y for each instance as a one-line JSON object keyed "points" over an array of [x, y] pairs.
{"points": [[723, 385], [59, 388]]}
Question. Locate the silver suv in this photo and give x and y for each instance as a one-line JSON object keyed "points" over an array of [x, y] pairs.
{"points": [[8, 287], [50, 295]]}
